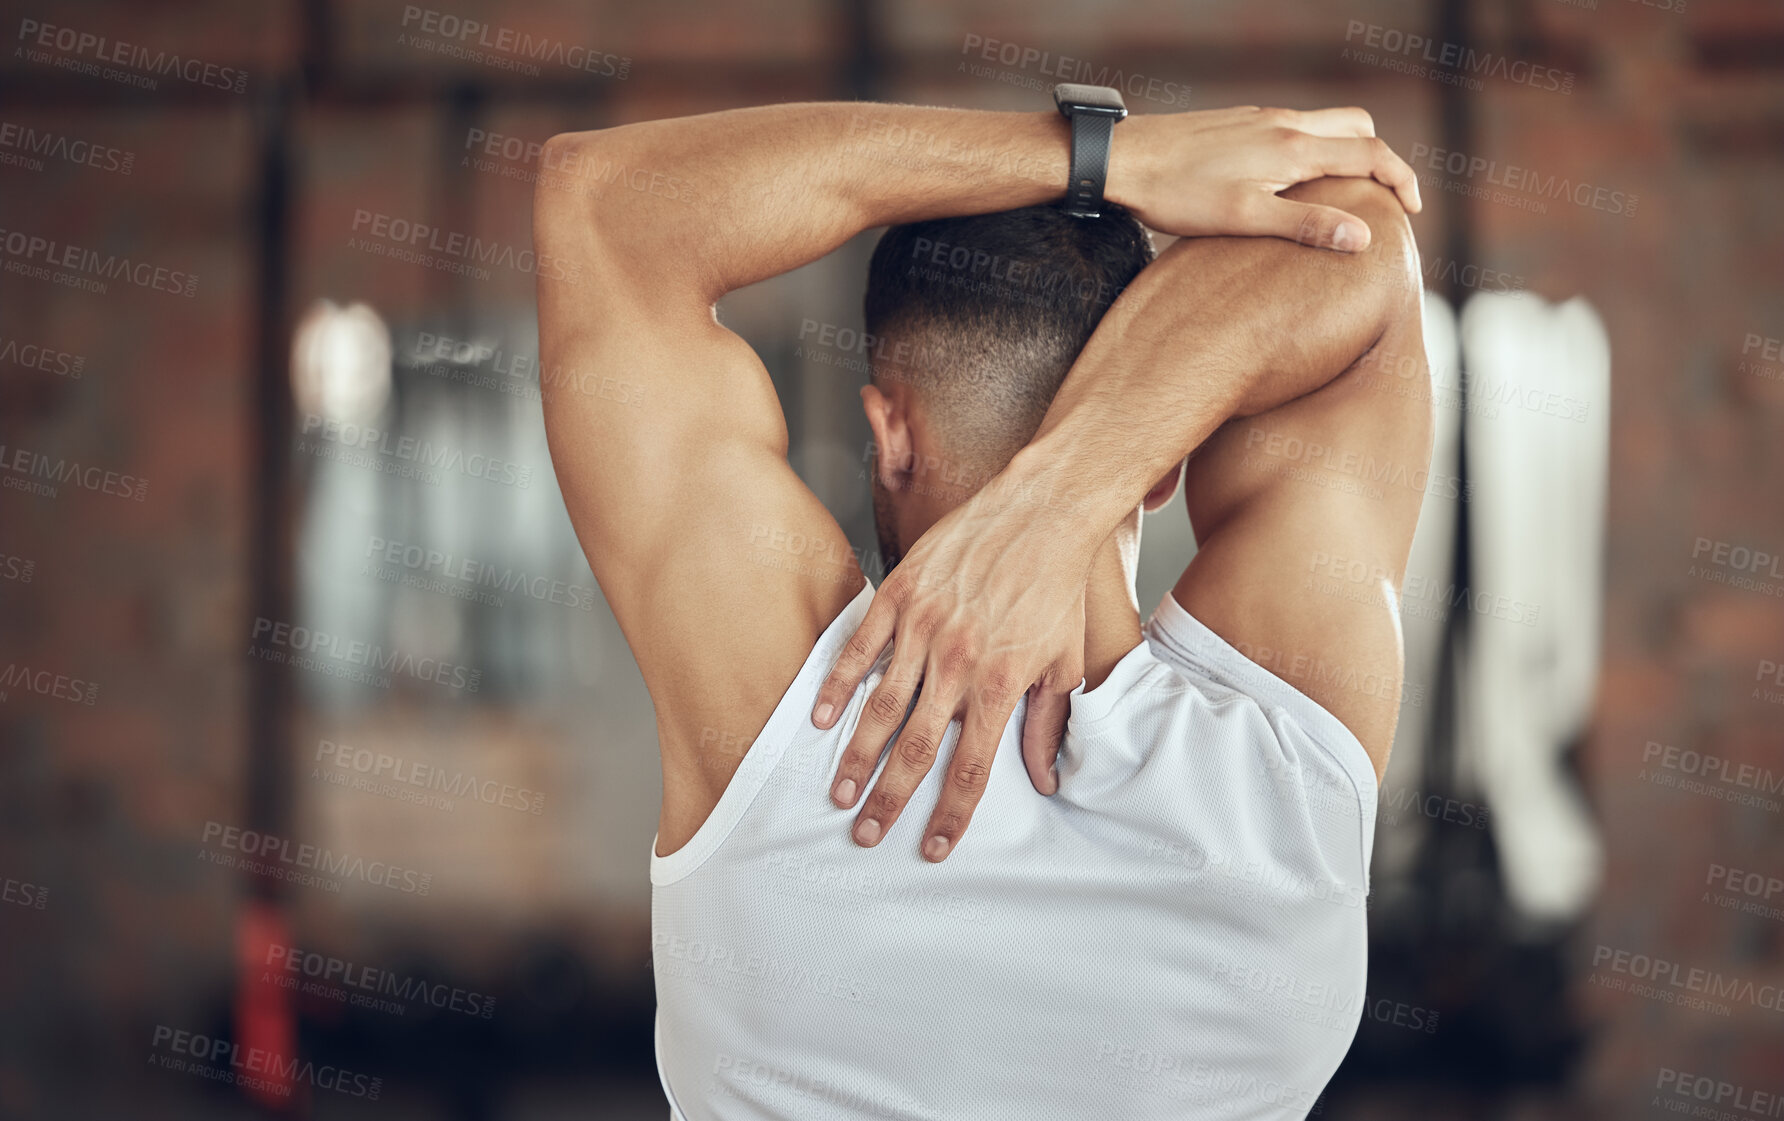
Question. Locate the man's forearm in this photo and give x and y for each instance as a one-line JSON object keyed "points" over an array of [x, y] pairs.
{"points": [[779, 186], [1216, 328]]}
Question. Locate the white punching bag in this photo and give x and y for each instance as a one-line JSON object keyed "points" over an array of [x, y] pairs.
{"points": [[1538, 445]]}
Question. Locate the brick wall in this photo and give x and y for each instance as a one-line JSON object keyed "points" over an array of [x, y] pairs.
{"points": [[147, 597]]}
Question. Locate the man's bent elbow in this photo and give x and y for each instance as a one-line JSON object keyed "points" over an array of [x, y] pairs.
{"points": [[1391, 262], [557, 206]]}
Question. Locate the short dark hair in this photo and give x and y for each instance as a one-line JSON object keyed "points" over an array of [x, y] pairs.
{"points": [[983, 315]]}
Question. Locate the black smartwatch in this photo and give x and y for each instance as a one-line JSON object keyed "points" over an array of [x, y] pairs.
{"points": [[1093, 111]]}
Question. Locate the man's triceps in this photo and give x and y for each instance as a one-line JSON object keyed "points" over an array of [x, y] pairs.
{"points": [[1315, 504], [720, 566]]}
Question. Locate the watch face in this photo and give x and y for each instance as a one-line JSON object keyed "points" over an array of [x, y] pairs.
{"points": [[1100, 100]]}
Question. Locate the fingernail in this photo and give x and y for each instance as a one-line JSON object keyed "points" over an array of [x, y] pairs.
{"points": [[1347, 236], [822, 716], [868, 832], [936, 847], [845, 792], [1052, 782]]}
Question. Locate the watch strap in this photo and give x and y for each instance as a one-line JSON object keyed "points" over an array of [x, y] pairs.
{"points": [[1092, 134]]}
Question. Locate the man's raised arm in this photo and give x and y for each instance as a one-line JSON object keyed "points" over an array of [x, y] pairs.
{"points": [[775, 187], [1216, 328]]}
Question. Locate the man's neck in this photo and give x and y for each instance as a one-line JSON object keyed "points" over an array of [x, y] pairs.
{"points": [[1111, 613]]}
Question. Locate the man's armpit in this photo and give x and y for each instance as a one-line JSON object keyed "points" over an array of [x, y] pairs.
{"points": [[1255, 582]]}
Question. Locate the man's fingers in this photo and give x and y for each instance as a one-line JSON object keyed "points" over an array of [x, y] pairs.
{"points": [[912, 756], [1326, 227], [968, 771], [1366, 158], [880, 716], [1043, 728], [857, 657]]}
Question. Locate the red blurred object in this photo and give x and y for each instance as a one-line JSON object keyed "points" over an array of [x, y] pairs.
{"points": [[264, 1020]]}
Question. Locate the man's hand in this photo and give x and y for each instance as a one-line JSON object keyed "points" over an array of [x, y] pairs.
{"points": [[989, 603], [1217, 172]]}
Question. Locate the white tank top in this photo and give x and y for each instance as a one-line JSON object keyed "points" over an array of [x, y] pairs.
{"points": [[1179, 932]]}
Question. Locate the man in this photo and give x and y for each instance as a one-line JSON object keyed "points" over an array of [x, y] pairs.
{"points": [[1170, 922]]}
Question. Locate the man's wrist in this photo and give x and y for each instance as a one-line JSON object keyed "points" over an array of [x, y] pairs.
{"points": [[1076, 503], [1128, 166]]}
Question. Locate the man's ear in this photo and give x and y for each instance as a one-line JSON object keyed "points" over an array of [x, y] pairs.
{"points": [[1163, 490], [892, 452]]}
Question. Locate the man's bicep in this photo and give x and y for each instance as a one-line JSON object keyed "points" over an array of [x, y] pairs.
{"points": [[1305, 515]]}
